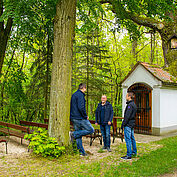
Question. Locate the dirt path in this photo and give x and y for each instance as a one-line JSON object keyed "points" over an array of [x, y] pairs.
{"points": [[174, 174], [14, 146], [18, 151]]}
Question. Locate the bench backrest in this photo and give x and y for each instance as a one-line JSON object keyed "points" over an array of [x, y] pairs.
{"points": [[114, 124], [3, 123], [34, 124], [46, 121], [115, 121], [14, 126], [91, 121]]}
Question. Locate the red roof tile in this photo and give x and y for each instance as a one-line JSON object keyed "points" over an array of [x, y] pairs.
{"points": [[158, 72]]}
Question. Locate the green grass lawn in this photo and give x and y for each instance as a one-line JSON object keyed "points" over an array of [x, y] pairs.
{"points": [[161, 161], [153, 159]]}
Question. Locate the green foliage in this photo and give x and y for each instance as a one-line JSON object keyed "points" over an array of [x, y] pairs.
{"points": [[88, 12], [14, 83], [12, 91], [118, 109], [30, 48], [103, 55], [44, 145], [155, 10]]}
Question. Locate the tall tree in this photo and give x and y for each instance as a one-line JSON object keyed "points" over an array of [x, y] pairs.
{"points": [[60, 94], [22, 17], [160, 16]]}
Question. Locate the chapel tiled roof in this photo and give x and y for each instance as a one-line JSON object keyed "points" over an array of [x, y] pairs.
{"points": [[157, 72]]}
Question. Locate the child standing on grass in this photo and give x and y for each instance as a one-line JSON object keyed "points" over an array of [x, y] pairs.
{"points": [[128, 126]]}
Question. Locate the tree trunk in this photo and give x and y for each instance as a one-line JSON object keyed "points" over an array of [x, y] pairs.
{"points": [[87, 76], [3, 44], [170, 55], [134, 46], [60, 95], [47, 77], [4, 35]]}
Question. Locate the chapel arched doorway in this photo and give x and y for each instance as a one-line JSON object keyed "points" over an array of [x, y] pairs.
{"points": [[143, 100]]}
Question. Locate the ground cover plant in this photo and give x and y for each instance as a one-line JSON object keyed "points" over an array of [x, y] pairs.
{"points": [[42, 144]]}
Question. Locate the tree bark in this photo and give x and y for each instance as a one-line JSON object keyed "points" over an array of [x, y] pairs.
{"points": [[170, 55], [87, 75], [4, 35], [60, 94], [47, 76]]}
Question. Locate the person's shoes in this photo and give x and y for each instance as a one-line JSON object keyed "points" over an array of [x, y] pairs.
{"points": [[83, 155], [71, 136], [126, 158], [108, 149], [134, 155], [103, 148]]}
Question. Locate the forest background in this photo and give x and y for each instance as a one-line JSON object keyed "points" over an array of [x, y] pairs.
{"points": [[105, 49]]}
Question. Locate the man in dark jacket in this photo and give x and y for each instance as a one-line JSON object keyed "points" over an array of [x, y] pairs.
{"points": [[79, 118], [128, 125], [104, 116]]}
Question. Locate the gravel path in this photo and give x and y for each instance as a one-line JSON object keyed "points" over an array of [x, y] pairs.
{"points": [[14, 146], [16, 149]]}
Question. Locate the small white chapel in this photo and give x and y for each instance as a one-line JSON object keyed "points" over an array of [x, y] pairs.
{"points": [[155, 96]]}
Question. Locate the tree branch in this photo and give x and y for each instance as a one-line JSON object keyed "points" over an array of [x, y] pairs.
{"points": [[104, 2], [142, 48], [144, 21]]}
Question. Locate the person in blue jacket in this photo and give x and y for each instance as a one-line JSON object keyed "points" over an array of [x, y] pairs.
{"points": [[103, 117], [79, 118], [128, 126]]}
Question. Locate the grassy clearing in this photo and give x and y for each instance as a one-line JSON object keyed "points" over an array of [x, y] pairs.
{"points": [[160, 161], [153, 159]]}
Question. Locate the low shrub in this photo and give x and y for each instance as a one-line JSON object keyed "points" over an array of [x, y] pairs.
{"points": [[44, 145]]}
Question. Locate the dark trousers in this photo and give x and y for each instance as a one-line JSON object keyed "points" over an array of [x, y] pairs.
{"points": [[105, 131]]}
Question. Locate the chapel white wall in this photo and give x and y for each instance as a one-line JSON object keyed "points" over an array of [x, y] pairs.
{"points": [[168, 107]]}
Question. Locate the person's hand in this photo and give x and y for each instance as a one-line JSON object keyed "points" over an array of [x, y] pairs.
{"points": [[96, 124], [88, 118], [109, 123]]}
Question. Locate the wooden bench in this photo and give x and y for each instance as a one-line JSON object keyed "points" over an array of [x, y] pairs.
{"points": [[117, 131], [14, 130], [4, 141], [46, 121], [33, 124]]}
